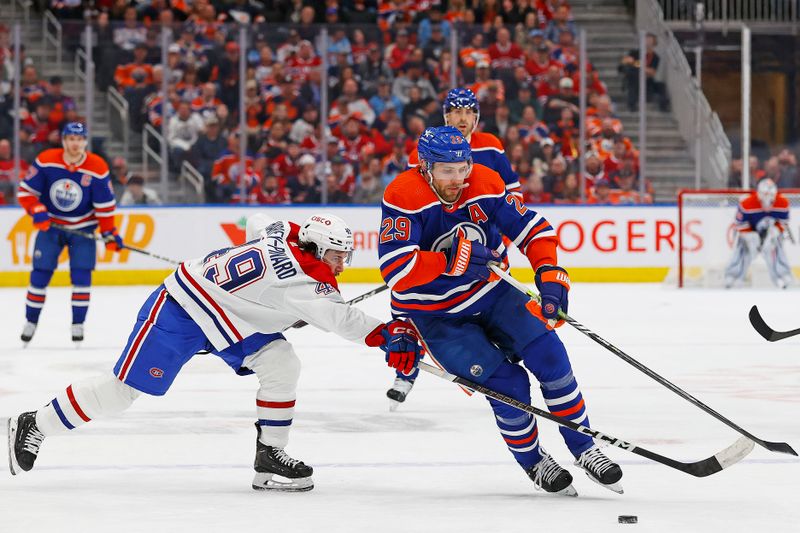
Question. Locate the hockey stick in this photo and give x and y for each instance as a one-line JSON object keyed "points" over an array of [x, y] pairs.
{"points": [[767, 332], [373, 292], [705, 467], [95, 237], [781, 447]]}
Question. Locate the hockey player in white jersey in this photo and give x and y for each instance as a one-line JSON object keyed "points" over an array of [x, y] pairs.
{"points": [[233, 303]]}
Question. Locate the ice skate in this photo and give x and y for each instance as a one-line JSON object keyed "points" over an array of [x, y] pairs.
{"points": [[27, 332], [77, 333], [549, 476], [275, 470], [600, 469], [397, 394], [24, 441]]}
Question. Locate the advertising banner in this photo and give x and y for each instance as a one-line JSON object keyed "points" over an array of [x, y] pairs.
{"points": [[597, 243]]}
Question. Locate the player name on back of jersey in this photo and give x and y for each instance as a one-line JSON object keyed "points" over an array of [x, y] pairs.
{"points": [[275, 242]]}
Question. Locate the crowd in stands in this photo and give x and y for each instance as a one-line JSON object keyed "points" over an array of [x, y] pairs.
{"points": [[781, 168], [389, 65]]}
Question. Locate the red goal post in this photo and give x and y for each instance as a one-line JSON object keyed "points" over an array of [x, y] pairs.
{"points": [[706, 234]]}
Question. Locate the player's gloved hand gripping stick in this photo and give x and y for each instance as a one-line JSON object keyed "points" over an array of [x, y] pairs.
{"points": [[780, 447]]}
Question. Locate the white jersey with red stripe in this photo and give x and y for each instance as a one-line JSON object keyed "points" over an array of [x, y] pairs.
{"points": [[264, 285]]}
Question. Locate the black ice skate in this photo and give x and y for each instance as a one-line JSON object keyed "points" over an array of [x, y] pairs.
{"points": [[600, 469], [277, 471], [549, 476], [27, 332], [77, 332], [397, 394], [24, 440]]}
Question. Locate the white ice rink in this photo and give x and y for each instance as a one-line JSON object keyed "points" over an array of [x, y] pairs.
{"points": [[183, 462]]}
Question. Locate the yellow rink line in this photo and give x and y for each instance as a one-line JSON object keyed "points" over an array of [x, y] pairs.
{"points": [[352, 275]]}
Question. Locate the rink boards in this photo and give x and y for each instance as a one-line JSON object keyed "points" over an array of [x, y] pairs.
{"points": [[598, 243]]}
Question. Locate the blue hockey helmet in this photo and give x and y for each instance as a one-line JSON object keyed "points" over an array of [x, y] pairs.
{"points": [[444, 144], [75, 128], [460, 97]]}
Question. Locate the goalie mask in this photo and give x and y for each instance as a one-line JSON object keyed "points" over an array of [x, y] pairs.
{"points": [[327, 232], [766, 191]]}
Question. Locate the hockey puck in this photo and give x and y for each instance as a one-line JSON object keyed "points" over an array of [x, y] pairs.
{"points": [[627, 519]]}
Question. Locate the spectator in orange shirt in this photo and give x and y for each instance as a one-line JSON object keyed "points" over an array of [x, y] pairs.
{"points": [[123, 75], [475, 53]]}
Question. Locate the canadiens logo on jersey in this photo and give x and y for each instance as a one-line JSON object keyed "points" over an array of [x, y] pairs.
{"points": [[65, 194], [465, 230]]}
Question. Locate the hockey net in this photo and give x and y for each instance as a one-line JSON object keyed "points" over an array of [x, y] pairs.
{"points": [[707, 235]]}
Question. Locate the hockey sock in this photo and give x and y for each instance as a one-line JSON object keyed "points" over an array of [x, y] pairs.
{"points": [[547, 358], [278, 369], [518, 428], [34, 303], [81, 286], [275, 418], [564, 399], [84, 401]]}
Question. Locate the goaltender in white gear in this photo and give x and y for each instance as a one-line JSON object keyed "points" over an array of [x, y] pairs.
{"points": [[762, 225], [233, 303]]}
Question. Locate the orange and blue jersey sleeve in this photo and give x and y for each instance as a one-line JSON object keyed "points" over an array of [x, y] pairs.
{"points": [[30, 188], [503, 167], [103, 199], [488, 150], [403, 265]]}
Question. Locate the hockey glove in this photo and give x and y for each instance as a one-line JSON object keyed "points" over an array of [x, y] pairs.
{"points": [[470, 259], [41, 220], [113, 240], [401, 346], [553, 284]]}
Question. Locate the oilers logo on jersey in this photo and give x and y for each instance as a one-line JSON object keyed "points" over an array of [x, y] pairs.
{"points": [[66, 195]]}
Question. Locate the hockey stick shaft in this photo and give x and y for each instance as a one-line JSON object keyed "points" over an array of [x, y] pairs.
{"points": [[705, 467], [359, 298], [781, 447], [95, 237], [767, 332]]}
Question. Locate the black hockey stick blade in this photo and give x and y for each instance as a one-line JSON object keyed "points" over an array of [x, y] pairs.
{"points": [[767, 332], [705, 467]]}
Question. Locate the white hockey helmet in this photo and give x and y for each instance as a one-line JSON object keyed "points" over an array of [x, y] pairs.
{"points": [[766, 191], [327, 232]]}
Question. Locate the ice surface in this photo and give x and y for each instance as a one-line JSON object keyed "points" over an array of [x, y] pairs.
{"points": [[184, 461]]}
